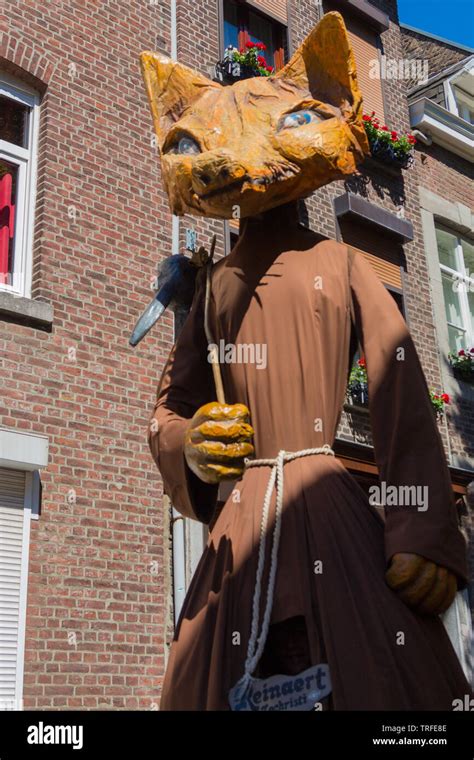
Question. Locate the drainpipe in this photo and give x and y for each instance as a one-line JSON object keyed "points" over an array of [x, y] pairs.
{"points": [[178, 548], [421, 137]]}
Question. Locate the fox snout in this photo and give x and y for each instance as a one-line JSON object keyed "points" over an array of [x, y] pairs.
{"points": [[216, 170]]}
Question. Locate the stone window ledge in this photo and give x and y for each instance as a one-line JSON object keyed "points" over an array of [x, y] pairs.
{"points": [[25, 311]]}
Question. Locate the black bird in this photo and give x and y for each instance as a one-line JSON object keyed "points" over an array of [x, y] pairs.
{"points": [[176, 284]]}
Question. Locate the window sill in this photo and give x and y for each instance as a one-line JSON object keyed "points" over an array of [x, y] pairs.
{"points": [[25, 311]]}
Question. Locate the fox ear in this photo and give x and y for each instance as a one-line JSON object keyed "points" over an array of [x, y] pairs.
{"points": [[324, 64], [171, 88]]}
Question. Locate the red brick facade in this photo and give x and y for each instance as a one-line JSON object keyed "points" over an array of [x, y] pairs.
{"points": [[96, 592]]}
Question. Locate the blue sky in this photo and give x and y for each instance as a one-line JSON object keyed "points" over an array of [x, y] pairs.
{"points": [[451, 19]]}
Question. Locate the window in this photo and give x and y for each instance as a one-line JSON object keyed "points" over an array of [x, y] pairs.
{"points": [[365, 46], [243, 23], [456, 260], [459, 90], [18, 139], [464, 104], [17, 497]]}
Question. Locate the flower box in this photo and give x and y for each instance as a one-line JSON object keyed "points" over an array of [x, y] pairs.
{"points": [[462, 364], [245, 63], [385, 153], [467, 376], [387, 146], [232, 71], [357, 394]]}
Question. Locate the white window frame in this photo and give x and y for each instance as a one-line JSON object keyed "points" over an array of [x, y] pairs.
{"points": [[466, 280], [454, 81], [26, 160]]}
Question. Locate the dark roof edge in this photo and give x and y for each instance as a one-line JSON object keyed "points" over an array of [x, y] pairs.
{"points": [[437, 37]]}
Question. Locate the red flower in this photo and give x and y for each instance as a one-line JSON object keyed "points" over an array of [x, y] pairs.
{"points": [[394, 136], [435, 396], [261, 46], [361, 362], [261, 60], [250, 44], [373, 113], [411, 139], [445, 398], [270, 69], [462, 352], [385, 128], [471, 350], [366, 118]]}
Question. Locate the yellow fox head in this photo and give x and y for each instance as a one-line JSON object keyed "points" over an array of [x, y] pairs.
{"points": [[238, 150]]}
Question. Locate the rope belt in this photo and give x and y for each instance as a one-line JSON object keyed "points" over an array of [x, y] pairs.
{"points": [[275, 481]]}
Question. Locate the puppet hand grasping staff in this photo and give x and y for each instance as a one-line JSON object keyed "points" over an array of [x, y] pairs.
{"points": [[219, 437], [218, 440]]}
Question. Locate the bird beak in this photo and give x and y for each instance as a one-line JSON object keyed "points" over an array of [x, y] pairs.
{"points": [[151, 315]]}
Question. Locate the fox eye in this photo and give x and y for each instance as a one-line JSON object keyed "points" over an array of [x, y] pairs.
{"points": [[297, 119], [186, 146]]}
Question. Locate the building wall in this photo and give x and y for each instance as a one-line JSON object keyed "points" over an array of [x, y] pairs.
{"points": [[97, 600]]}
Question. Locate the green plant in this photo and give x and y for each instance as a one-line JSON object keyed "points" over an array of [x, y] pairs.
{"points": [[358, 375], [463, 362], [439, 401], [386, 143], [251, 57]]}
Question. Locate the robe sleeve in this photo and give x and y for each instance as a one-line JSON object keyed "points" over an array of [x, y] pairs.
{"points": [[407, 444], [185, 385]]}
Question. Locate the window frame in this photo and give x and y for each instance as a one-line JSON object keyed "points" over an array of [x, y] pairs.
{"points": [[26, 159], [31, 501], [449, 89], [277, 28], [460, 275]]}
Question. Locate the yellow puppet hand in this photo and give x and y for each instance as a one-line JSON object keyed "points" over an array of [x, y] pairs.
{"points": [[218, 440], [426, 587]]}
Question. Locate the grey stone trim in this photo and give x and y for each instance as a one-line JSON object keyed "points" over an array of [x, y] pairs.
{"points": [[25, 311]]}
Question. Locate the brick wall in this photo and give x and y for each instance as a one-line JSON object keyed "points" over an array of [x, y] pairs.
{"points": [[97, 598]]}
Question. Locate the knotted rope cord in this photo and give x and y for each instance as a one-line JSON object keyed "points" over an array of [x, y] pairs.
{"points": [[276, 480]]}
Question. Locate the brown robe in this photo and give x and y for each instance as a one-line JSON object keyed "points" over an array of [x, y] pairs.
{"points": [[266, 292]]}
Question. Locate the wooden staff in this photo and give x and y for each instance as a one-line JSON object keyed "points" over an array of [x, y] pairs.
{"points": [[212, 347]]}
